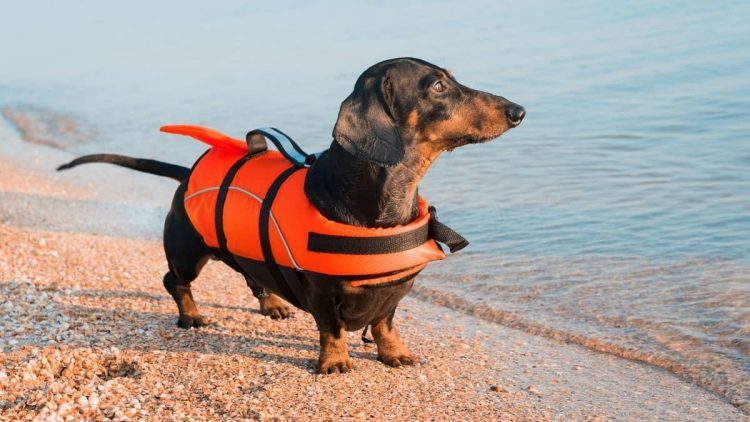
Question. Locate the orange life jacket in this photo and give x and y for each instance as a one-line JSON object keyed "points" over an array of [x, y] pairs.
{"points": [[290, 232]]}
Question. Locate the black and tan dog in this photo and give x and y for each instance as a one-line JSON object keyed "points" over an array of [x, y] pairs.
{"points": [[402, 114]]}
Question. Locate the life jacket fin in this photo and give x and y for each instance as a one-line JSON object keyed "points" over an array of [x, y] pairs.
{"points": [[209, 136]]}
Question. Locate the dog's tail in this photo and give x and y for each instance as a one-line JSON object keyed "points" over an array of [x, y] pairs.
{"points": [[158, 168]]}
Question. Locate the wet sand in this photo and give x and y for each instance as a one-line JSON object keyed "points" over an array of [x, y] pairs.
{"points": [[89, 332]]}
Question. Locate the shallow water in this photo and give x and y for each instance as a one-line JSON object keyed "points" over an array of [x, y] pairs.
{"points": [[616, 216]]}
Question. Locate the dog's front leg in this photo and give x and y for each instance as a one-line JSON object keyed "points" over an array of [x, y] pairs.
{"points": [[391, 350], [334, 354]]}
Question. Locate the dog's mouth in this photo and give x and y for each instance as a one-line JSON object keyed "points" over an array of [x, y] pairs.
{"points": [[473, 140], [484, 138]]}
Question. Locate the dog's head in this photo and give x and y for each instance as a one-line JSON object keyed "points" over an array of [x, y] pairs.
{"points": [[408, 103]]}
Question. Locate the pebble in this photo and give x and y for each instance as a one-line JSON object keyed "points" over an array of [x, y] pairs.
{"points": [[64, 408], [534, 390], [93, 401], [498, 389]]}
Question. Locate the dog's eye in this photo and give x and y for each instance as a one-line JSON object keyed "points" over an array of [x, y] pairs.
{"points": [[438, 86]]}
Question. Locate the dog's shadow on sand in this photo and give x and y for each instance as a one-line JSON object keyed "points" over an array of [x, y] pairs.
{"points": [[242, 331]]}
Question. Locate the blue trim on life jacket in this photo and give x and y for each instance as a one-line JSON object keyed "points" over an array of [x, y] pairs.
{"points": [[287, 147]]}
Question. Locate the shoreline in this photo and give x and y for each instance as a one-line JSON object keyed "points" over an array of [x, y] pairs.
{"points": [[87, 293]]}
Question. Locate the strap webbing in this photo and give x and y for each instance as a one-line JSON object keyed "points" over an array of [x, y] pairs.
{"points": [[325, 243], [349, 245], [265, 240], [221, 200], [445, 234]]}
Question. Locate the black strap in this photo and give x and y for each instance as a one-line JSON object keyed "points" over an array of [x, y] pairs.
{"points": [[366, 340], [445, 234], [265, 240], [348, 245], [325, 243], [221, 200]]}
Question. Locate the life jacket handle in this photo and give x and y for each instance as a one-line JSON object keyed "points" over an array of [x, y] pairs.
{"points": [[255, 142], [285, 144]]}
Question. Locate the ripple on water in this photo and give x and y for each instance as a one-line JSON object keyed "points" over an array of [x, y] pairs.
{"points": [[691, 316]]}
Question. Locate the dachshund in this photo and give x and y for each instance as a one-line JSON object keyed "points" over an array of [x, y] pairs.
{"points": [[402, 114]]}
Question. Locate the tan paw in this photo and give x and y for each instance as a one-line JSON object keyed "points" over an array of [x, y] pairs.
{"points": [[397, 359], [335, 366], [274, 307], [192, 321]]}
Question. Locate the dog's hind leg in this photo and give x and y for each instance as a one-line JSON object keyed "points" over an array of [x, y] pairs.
{"points": [[186, 256], [182, 295], [270, 304]]}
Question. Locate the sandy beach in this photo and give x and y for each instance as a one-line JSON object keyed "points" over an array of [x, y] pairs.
{"points": [[89, 333]]}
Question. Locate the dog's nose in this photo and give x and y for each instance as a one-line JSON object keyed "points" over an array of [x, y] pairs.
{"points": [[515, 114]]}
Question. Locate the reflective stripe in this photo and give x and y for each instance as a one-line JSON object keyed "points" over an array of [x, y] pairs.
{"points": [[194, 194], [260, 200]]}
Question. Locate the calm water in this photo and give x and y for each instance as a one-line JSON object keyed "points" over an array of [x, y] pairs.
{"points": [[617, 216]]}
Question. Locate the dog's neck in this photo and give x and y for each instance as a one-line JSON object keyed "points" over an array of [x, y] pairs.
{"points": [[352, 191]]}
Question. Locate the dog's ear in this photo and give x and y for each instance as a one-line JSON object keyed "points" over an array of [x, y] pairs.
{"points": [[365, 127]]}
